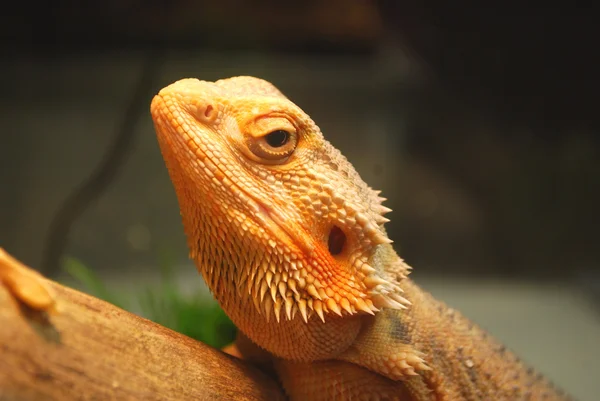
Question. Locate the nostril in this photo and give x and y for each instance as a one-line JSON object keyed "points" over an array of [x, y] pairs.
{"points": [[208, 111], [207, 114], [204, 112]]}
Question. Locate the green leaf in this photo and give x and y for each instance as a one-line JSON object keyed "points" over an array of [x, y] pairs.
{"points": [[80, 272], [194, 316]]}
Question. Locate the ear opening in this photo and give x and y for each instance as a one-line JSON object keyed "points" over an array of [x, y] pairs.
{"points": [[336, 241]]}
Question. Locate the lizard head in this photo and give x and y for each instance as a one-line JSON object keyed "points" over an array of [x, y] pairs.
{"points": [[269, 207]]}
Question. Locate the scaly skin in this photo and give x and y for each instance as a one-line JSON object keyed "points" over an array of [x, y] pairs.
{"points": [[291, 242]]}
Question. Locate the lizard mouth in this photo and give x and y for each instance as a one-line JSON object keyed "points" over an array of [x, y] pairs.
{"points": [[287, 230]]}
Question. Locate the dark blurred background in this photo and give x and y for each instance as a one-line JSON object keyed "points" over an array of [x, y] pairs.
{"points": [[478, 122]]}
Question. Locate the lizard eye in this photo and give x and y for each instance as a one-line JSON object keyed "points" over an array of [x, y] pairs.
{"points": [[277, 139], [275, 146]]}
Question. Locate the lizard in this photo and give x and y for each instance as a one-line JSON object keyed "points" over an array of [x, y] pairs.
{"points": [[291, 242]]}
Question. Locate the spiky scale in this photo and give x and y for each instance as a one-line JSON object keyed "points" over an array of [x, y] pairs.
{"points": [[345, 304], [333, 306], [303, 310], [269, 277], [372, 281], [318, 308], [277, 309], [289, 303], [282, 287], [263, 290], [292, 286], [312, 291], [268, 306]]}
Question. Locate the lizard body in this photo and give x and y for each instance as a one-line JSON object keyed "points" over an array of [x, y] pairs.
{"points": [[292, 244]]}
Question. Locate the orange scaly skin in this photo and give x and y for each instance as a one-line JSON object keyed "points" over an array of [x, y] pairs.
{"points": [[291, 242]]}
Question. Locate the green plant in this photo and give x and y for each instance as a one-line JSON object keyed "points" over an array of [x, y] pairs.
{"points": [[194, 316]]}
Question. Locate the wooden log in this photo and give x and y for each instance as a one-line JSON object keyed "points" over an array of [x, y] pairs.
{"points": [[89, 349]]}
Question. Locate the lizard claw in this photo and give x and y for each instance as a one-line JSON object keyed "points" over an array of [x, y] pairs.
{"points": [[25, 284]]}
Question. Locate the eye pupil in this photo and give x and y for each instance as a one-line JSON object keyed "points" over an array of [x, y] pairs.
{"points": [[277, 138]]}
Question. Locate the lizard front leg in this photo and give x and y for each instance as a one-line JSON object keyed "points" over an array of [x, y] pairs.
{"points": [[244, 348], [383, 347]]}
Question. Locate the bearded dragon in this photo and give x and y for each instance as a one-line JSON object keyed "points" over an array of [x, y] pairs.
{"points": [[291, 242]]}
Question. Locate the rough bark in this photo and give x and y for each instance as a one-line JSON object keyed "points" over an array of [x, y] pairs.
{"points": [[91, 350]]}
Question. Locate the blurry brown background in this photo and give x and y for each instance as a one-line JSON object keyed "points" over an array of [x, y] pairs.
{"points": [[478, 122]]}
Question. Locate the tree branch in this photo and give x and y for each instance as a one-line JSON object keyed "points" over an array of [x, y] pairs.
{"points": [[90, 349]]}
